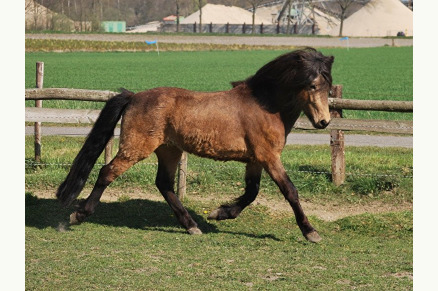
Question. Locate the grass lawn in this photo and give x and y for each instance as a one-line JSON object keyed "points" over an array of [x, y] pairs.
{"points": [[137, 245]]}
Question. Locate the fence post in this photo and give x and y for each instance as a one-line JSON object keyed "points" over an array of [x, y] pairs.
{"points": [[39, 104], [182, 176], [109, 151], [337, 143]]}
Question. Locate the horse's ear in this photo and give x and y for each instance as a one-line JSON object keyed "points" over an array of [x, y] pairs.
{"points": [[236, 83], [332, 59]]}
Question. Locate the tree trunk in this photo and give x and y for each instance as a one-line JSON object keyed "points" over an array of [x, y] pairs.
{"points": [[253, 18], [200, 16], [177, 16], [341, 27]]}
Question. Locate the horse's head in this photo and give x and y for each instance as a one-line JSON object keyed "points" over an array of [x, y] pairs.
{"points": [[297, 81], [314, 100]]}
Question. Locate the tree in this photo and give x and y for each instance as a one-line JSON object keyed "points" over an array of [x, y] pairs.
{"points": [[177, 15], [200, 3], [344, 5], [254, 4]]}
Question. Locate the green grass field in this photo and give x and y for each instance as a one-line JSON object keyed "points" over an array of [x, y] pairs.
{"points": [[137, 245], [384, 73]]}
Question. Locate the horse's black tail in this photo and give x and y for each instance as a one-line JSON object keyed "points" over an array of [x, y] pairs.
{"points": [[96, 141]]}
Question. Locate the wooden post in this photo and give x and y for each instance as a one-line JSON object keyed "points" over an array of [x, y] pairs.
{"points": [[38, 103], [337, 143], [182, 176], [109, 151]]}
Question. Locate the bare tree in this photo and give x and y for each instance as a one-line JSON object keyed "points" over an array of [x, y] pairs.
{"points": [[199, 4], [254, 4], [177, 15], [344, 5], [289, 7]]}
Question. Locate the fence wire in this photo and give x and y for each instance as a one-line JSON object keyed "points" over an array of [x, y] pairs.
{"points": [[32, 164]]}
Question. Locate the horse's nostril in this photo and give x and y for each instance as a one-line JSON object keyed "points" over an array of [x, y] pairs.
{"points": [[324, 123]]}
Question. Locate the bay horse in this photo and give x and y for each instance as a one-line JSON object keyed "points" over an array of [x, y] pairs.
{"points": [[248, 123]]}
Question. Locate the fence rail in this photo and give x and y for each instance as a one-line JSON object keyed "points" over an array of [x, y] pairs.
{"points": [[336, 127], [103, 96]]}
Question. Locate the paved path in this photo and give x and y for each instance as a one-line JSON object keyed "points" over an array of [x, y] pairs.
{"points": [[293, 138]]}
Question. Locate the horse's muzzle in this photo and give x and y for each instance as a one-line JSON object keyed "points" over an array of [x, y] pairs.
{"points": [[322, 124]]}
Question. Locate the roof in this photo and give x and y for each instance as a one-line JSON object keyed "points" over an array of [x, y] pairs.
{"points": [[170, 18]]}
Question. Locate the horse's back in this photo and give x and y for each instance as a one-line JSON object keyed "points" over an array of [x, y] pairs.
{"points": [[209, 124]]}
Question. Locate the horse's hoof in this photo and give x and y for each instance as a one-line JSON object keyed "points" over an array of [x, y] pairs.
{"points": [[74, 219], [225, 212], [214, 215], [313, 237], [194, 230]]}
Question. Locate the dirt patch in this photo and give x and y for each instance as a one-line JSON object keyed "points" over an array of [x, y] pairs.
{"points": [[327, 212]]}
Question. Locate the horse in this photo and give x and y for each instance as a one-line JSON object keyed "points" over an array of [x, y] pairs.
{"points": [[248, 123]]}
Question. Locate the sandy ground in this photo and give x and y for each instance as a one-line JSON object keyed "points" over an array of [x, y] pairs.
{"points": [[326, 212]]}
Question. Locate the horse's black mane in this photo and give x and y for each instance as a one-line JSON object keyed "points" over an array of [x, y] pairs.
{"points": [[288, 73]]}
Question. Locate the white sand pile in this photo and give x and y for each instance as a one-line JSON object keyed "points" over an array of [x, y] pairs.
{"points": [[324, 21], [221, 14], [150, 26], [269, 14], [378, 18]]}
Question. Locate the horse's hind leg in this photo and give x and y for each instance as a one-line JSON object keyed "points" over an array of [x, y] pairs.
{"points": [[252, 179], [107, 175], [168, 159]]}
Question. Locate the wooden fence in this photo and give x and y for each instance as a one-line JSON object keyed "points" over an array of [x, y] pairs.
{"points": [[336, 127]]}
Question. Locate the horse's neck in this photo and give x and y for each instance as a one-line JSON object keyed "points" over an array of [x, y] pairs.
{"points": [[289, 118]]}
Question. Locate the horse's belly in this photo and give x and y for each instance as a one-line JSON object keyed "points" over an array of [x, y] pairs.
{"points": [[215, 145]]}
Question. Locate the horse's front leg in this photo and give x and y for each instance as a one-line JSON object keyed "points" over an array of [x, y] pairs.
{"points": [[252, 179], [277, 172]]}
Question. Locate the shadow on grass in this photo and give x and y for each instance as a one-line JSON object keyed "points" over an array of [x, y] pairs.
{"points": [[136, 213]]}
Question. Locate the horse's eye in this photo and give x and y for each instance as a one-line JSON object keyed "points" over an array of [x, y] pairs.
{"points": [[312, 87]]}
